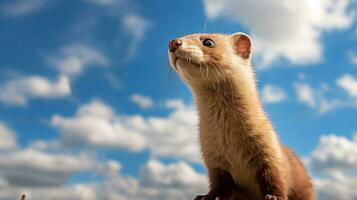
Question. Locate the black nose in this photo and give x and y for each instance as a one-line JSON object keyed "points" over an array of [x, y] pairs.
{"points": [[174, 44]]}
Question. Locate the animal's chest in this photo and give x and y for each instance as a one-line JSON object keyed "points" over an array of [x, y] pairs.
{"points": [[225, 148]]}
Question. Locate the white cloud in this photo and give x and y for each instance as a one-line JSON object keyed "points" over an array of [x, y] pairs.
{"points": [[73, 59], [273, 94], [325, 98], [44, 175], [136, 26], [305, 94], [7, 137], [110, 168], [331, 163], [96, 108], [281, 29], [141, 100], [175, 104], [348, 83], [43, 172], [18, 8], [179, 181], [35, 168], [352, 57], [75, 191], [319, 98], [334, 153], [96, 124], [336, 186], [333, 157], [18, 91], [179, 174]]}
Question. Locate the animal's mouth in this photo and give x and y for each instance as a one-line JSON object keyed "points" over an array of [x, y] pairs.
{"points": [[176, 59]]}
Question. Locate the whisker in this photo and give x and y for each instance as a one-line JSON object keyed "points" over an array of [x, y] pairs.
{"points": [[225, 79], [13, 191], [217, 81], [204, 25]]}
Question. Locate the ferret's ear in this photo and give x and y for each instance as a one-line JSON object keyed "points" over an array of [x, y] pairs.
{"points": [[242, 44]]}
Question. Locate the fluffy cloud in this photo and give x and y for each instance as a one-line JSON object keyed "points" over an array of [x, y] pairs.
{"points": [[331, 163], [179, 174], [96, 124], [321, 98], [334, 153], [75, 191], [30, 169], [349, 84], [34, 168], [305, 94], [18, 91], [328, 97], [7, 137], [136, 26], [178, 181], [19, 8], [176, 135], [337, 186], [165, 182], [273, 94], [174, 178], [72, 59], [141, 100], [281, 29]]}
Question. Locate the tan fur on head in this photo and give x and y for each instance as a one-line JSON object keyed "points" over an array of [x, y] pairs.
{"points": [[198, 64]]}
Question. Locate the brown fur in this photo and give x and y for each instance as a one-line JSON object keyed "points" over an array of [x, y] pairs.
{"points": [[241, 150]]}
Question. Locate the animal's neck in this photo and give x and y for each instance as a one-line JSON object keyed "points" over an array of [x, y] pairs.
{"points": [[233, 102]]}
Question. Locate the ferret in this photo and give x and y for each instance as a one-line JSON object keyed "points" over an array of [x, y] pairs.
{"points": [[242, 152]]}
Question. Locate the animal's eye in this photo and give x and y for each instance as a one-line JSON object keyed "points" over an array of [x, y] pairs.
{"points": [[208, 43]]}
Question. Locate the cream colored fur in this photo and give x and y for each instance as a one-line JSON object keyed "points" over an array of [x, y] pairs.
{"points": [[233, 126]]}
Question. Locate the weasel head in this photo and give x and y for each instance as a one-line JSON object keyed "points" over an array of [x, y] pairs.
{"points": [[211, 58]]}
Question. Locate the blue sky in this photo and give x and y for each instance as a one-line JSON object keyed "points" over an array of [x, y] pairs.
{"points": [[88, 94]]}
